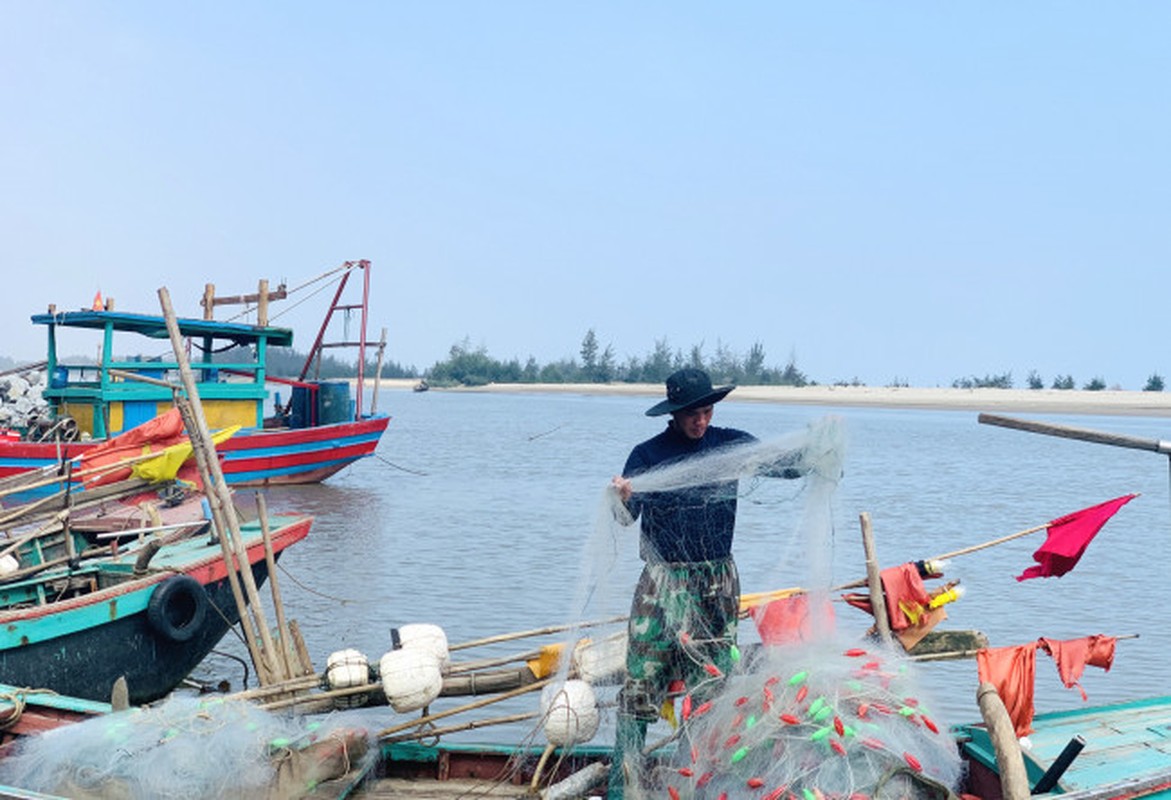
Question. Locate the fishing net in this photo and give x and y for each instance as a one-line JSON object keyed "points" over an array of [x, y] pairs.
{"points": [[186, 748], [814, 720], [811, 715]]}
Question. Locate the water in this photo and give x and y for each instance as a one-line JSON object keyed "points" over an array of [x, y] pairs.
{"points": [[476, 513]]}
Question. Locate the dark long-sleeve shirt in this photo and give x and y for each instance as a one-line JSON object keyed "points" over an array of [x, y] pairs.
{"points": [[695, 523]]}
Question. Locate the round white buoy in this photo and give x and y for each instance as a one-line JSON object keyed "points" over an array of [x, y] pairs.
{"points": [[423, 636], [570, 711], [601, 661], [9, 564], [410, 678], [346, 669]]}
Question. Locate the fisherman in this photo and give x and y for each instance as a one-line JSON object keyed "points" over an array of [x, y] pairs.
{"points": [[685, 609]]}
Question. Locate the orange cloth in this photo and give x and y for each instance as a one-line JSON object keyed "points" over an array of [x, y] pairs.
{"points": [[1013, 671], [150, 437], [1073, 655]]}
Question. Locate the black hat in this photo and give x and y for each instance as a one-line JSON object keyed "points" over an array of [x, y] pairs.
{"points": [[688, 388]]}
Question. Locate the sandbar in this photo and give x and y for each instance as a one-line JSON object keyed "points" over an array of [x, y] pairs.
{"points": [[1040, 401]]}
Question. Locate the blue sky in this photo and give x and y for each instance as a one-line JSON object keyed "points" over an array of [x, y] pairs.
{"points": [[911, 192]]}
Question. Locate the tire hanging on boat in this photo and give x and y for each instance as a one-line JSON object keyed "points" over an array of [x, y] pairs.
{"points": [[177, 608]]}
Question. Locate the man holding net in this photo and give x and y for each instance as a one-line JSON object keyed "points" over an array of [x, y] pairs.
{"points": [[684, 613]]}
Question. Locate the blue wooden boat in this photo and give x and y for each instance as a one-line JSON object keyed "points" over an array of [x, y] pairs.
{"points": [[317, 429], [1126, 752], [147, 615]]}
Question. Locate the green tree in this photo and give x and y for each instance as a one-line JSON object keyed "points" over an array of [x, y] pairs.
{"points": [[1095, 385], [1063, 382], [754, 362], [589, 355], [1034, 380], [1154, 383]]}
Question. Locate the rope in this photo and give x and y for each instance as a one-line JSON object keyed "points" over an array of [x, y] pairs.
{"points": [[18, 705], [390, 463], [340, 600]]}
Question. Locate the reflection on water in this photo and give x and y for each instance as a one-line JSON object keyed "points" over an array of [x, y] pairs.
{"points": [[475, 513]]}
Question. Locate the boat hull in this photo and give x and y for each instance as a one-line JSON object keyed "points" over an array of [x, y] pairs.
{"points": [[250, 458], [81, 646]]}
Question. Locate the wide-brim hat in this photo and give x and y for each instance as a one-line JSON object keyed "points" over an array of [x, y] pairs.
{"points": [[688, 388]]}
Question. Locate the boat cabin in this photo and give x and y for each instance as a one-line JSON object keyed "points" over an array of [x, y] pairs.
{"points": [[104, 399]]}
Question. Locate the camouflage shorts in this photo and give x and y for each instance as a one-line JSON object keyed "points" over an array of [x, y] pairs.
{"points": [[682, 619]]}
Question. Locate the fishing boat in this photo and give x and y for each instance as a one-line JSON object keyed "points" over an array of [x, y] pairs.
{"points": [[148, 610], [320, 428]]}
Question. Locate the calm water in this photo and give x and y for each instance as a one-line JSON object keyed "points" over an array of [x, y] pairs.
{"points": [[476, 514]]}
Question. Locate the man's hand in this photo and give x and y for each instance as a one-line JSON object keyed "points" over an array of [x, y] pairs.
{"points": [[622, 487]]}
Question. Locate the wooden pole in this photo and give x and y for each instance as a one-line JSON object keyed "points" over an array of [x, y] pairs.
{"points": [[262, 303], [507, 637], [467, 726], [532, 687], [874, 578], [1084, 434], [201, 441], [1014, 781], [378, 373], [274, 586]]}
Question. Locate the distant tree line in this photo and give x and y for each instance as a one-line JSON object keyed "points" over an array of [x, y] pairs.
{"points": [[285, 362], [472, 366], [1035, 381]]}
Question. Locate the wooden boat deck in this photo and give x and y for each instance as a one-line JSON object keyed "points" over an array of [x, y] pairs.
{"points": [[1127, 747]]}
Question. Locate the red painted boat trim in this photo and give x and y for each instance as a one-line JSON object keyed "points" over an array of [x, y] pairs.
{"points": [[206, 570]]}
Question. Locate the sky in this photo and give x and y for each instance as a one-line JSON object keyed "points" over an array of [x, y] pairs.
{"points": [[883, 192]]}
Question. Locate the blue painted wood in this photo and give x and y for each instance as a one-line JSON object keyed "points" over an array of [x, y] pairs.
{"points": [[1128, 746]]}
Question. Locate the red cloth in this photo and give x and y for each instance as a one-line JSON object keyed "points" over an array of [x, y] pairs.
{"points": [[788, 620], [904, 589], [1069, 536], [1013, 671], [1073, 655]]}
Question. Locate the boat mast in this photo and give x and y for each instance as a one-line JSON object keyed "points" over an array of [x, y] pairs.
{"points": [[319, 344]]}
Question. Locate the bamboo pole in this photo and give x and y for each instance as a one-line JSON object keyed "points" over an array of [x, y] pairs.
{"points": [[507, 637], [220, 524], [874, 579], [467, 726], [284, 687], [82, 475], [230, 537], [274, 586], [424, 720]]}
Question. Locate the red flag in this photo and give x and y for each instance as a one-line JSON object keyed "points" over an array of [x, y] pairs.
{"points": [[1069, 536]]}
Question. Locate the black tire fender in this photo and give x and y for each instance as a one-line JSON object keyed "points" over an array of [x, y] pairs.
{"points": [[177, 608]]}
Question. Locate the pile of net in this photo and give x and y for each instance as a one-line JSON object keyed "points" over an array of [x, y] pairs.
{"points": [[810, 722], [187, 748]]}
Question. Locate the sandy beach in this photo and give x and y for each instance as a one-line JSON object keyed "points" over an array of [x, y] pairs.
{"points": [[1040, 401]]}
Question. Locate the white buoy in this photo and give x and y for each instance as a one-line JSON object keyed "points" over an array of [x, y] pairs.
{"points": [[346, 669], [601, 661], [410, 678], [570, 711], [424, 636], [9, 564]]}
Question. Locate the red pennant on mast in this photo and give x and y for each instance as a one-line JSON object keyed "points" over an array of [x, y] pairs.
{"points": [[1069, 536]]}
